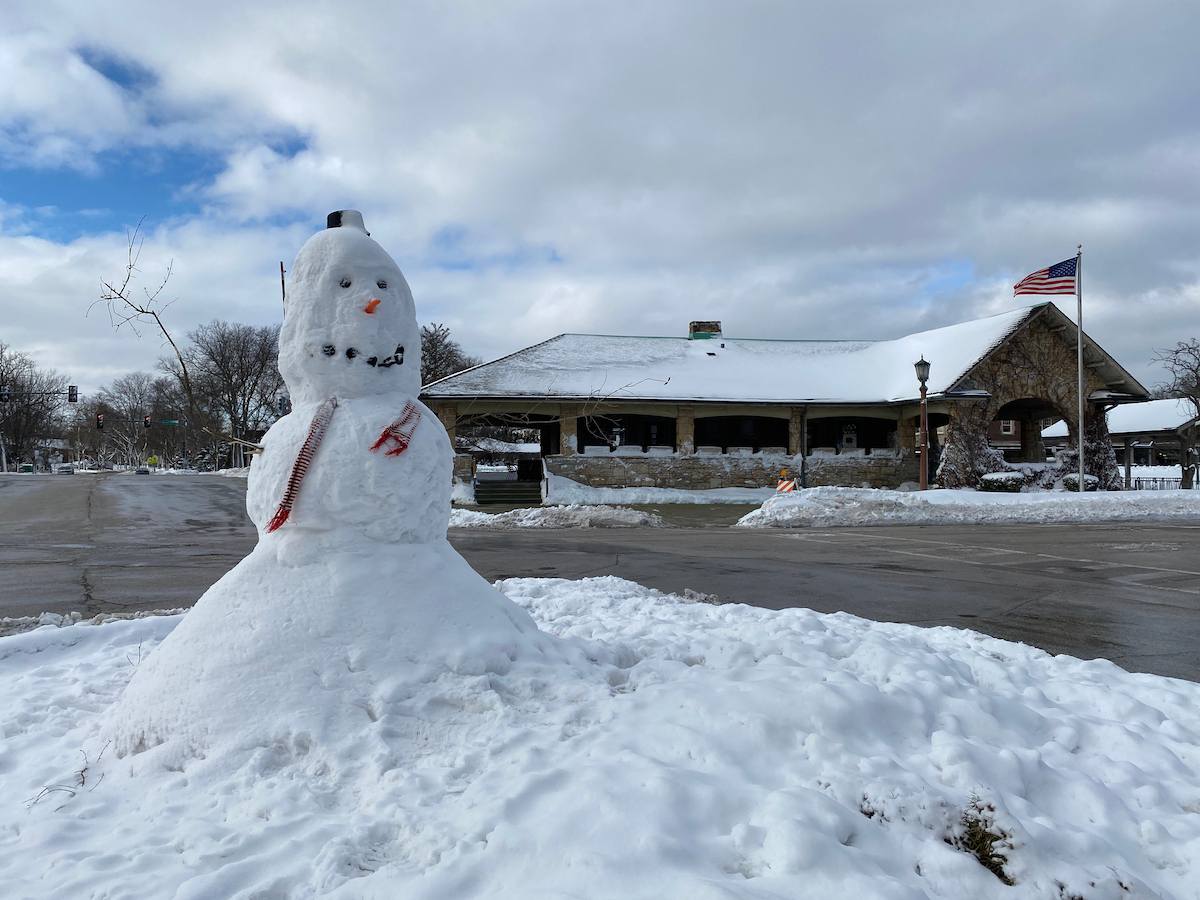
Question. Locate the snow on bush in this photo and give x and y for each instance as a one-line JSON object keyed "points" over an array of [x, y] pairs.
{"points": [[703, 751], [1010, 482], [574, 516], [830, 506], [1071, 482]]}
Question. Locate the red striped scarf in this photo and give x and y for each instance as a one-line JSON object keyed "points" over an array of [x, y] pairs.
{"points": [[399, 432], [316, 431]]}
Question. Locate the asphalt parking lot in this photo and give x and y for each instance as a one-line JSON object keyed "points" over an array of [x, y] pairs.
{"points": [[1129, 592]]}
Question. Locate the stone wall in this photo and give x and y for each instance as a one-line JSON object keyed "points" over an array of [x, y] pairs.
{"points": [[704, 471]]}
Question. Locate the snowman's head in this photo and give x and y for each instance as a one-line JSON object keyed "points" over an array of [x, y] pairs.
{"points": [[349, 324]]}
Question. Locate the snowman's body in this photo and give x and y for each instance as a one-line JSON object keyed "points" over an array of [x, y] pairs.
{"points": [[402, 498], [353, 591]]}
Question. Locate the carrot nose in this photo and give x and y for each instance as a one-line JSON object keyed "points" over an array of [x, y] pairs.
{"points": [[374, 302]]}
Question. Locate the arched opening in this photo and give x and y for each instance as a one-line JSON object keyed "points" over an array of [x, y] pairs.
{"points": [[1016, 429]]}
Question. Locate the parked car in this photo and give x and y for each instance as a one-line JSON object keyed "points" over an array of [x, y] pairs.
{"points": [[142, 470], [64, 469]]}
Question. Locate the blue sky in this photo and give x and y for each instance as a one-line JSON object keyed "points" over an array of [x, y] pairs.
{"points": [[62, 204], [850, 171]]}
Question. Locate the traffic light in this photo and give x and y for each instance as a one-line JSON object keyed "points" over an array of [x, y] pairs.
{"points": [[72, 394], [3, 393], [99, 421], [146, 421]]}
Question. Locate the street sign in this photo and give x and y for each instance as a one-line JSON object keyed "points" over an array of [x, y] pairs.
{"points": [[170, 421]]}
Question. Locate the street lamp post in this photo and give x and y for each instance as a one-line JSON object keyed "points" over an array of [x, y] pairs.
{"points": [[922, 367]]}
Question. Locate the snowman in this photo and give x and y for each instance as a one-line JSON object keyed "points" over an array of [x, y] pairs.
{"points": [[352, 598]]}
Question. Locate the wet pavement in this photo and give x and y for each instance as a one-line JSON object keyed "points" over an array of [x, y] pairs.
{"points": [[1128, 592]]}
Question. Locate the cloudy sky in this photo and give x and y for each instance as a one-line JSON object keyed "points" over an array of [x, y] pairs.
{"points": [[796, 170]]}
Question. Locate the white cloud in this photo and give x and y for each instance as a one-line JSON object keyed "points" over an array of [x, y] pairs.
{"points": [[794, 170]]}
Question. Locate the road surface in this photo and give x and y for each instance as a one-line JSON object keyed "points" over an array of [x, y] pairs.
{"points": [[1125, 592]]}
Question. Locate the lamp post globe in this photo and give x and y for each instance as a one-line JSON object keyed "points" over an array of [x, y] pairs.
{"points": [[922, 367]]}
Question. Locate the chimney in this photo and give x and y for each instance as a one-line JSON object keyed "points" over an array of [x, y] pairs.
{"points": [[701, 331]]}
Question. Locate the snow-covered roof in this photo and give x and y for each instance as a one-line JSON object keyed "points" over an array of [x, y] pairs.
{"points": [[1139, 418], [590, 366]]}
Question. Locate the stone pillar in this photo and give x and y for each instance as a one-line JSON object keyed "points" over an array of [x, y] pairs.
{"points": [[1032, 448], [568, 414], [966, 455], [685, 430], [906, 434], [464, 468], [448, 416], [796, 428], [1187, 461]]}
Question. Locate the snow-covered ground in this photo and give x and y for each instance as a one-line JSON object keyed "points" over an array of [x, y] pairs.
{"points": [[242, 472], [564, 490], [826, 506], [710, 751], [574, 516]]}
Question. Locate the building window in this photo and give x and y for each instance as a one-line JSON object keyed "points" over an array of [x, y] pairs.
{"points": [[1006, 426]]}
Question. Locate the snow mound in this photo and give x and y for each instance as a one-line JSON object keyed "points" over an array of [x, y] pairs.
{"points": [[691, 750], [831, 506], [574, 516], [316, 639]]}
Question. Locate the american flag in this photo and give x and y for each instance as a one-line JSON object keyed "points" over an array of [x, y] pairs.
{"points": [[1058, 279]]}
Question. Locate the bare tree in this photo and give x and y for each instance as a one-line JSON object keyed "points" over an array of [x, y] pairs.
{"points": [[235, 368], [1183, 362], [125, 403], [125, 307], [441, 355], [32, 417]]}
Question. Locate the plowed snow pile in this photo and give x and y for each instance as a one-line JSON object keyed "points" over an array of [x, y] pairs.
{"points": [[573, 516], [694, 751], [829, 506]]}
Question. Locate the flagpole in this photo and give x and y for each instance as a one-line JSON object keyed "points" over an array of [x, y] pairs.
{"points": [[1079, 352]]}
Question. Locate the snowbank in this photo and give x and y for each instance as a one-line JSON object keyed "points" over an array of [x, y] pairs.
{"points": [[710, 751], [828, 506], [574, 516], [462, 493], [18, 624], [564, 490]]}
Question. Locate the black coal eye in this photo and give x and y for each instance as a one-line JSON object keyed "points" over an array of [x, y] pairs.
{"points": [[345, 282], [382, 284], [329, 349], [351, 353]]}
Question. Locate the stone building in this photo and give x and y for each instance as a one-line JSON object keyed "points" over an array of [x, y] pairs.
{"points": [[708, 411]]}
